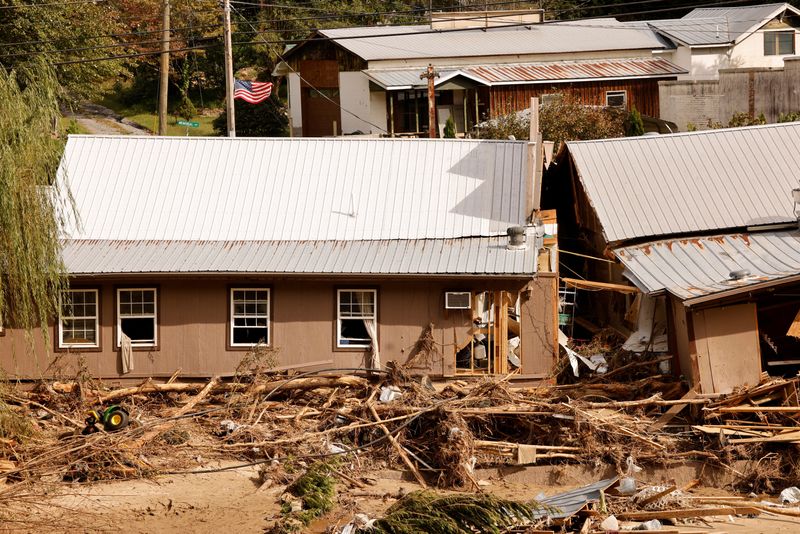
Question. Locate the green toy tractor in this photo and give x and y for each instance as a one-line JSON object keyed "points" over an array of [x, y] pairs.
{"points": [[112, 418]]}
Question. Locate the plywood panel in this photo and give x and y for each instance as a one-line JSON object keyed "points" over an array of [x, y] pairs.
{"points": [[539, 324], [730, 347]]}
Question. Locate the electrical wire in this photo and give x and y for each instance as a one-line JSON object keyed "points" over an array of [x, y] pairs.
{"points": [[59, 4], [311, 86], [102, 36]]}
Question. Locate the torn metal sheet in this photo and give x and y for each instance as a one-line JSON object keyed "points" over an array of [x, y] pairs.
{"points": [[569, 503]]}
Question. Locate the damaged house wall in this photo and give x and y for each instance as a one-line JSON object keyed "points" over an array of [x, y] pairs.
{"points": [[702, 222]]}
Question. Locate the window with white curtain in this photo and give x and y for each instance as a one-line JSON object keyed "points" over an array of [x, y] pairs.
{"points": [[356, 321]]}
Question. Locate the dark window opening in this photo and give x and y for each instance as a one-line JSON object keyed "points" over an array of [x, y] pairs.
{"points": [[250, 335], [353, 332], [140, 330]]}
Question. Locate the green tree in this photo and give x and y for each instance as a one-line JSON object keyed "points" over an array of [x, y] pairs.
{"points": [[449, 128], [634, 125], [33, 272], [267, 119], [61, 33]]}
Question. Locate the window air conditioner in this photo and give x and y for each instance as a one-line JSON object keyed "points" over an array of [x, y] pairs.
{"points": [[458, 300]]}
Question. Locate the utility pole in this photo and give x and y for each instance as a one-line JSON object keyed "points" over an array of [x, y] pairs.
{"points": [[431, 74], [164, 72], [229, 110]]}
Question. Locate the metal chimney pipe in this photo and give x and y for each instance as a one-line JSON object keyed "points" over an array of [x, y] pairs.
{"points": [[516, 238]]}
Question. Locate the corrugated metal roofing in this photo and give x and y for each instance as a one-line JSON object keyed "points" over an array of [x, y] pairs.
{"points": [[408, 78], [697, 31], [695, 267], [498, 74], [192, 188], [719, 25], [422, 257], [563, 37], [576, 70], [690, 182]]}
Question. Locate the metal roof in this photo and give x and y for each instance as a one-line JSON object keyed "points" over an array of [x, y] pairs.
{"points": [[392, 79], [719, 25], [420, 42], [522, 73], [232, 189], [480, 256], [690, 268], [497, 74], [690, 182], [697, 31]]}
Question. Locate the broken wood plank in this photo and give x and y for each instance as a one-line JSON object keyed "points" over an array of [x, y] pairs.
{"points": [[667, 416], [756, 409], [588, 284], [397, 447], [688, 512]]}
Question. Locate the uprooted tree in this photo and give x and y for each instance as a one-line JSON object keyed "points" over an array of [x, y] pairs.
{"points": [[32, 270]]}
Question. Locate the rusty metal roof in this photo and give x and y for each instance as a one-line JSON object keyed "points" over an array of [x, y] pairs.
{"points": [[709, 181], [455, 257], [637, 67], [692, 268], [525, 73]]}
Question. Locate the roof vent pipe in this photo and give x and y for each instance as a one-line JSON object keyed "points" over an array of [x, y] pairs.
{"points": [[741, 274], [516, 238]]}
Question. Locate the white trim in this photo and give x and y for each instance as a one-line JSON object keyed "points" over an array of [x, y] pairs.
{"points": [[373, 317], [153, 316], [777, 52], [617, 92], [267, 340], [96, 316]]}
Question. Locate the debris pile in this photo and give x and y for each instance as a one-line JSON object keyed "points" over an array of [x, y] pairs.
{"points": [[305, 430]]}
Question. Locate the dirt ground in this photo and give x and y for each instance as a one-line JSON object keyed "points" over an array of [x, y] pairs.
{"points": [[232, 501]]}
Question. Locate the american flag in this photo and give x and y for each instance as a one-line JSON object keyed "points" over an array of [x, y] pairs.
{"points": [[253, 92]]}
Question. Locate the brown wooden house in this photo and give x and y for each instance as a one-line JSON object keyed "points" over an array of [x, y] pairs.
{"points": [[367, 80], [330, 253]]}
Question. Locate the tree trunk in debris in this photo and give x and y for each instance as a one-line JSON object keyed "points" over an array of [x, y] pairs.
{"points": [[288, 384]]}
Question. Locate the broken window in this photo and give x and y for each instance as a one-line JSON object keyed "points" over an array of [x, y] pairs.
{"points": [[494, 343], [616, 99], [137, 316], [249, 316], [356, 318], [78, 320], [779, 43]]}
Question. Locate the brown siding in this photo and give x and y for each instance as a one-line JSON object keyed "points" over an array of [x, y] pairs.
{"points": [[193, 319], [641, 93]]}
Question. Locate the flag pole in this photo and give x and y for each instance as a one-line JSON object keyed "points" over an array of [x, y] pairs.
{"points": [[226, 5]]}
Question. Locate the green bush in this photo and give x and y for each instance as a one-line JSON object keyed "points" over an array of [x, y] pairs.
{"points": [[450, 129]]}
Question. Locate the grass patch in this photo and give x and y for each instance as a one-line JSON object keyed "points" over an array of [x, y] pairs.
{"points": [[316, 489], [71, 126], [146, 117]]}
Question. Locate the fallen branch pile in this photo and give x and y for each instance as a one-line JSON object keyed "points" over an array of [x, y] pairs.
{"points": [[439, 435]]}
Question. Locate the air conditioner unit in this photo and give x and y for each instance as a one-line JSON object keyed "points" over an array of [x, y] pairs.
{"points": [[458, 300]]}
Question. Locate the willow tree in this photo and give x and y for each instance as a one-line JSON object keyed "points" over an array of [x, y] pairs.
{"points": [[31, 270]]}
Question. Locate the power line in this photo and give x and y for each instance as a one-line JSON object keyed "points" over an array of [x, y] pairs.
{"points": [[78, 2], [102, 36], [141, 54], [313, 88]]}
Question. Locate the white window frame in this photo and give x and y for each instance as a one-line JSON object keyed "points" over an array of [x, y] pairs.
{"points": [[622, 92], [339, 317], [771, 34], [153, 316], [268, 338], [62, 317]]}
